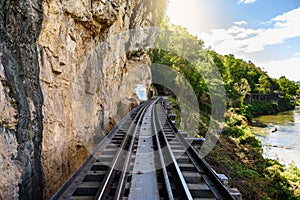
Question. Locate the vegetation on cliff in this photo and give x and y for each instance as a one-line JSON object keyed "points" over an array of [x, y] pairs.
{"points": [[238, 153]]}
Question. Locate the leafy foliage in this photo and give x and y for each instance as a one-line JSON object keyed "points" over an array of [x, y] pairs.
{"points": [[287, 87], [238, 153], [184, 53]]}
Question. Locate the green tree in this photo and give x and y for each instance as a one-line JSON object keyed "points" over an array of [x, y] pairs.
{"points": [[243, 88], [287, 87], [298, 88], [264, 84]]}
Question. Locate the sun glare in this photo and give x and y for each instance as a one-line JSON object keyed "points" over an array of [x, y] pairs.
{"points": [[188, 14]]}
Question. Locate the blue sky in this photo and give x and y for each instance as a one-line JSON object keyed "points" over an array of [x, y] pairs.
{"points": [[267, 32]]}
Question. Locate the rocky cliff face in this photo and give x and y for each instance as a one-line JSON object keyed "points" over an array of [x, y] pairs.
{"points": [[69, 71], [21, 100]]}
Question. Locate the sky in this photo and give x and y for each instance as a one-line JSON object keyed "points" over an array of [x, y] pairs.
{"points": [[267, 32]]}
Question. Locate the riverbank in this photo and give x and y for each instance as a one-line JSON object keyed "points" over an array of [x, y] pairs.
{"points": [[282, 144], [238, 154], [253, 109]]}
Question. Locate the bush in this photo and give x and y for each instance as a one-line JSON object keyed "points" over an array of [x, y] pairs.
{"points": [[246, 111], [245, 172], [252, 140], [233, 131], [285, 104], [263, 108]]}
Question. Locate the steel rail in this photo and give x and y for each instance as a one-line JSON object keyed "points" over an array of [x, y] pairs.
{"points": [[173, 175], [218, 188], [178, 174], [162, 162], [69, 187], [124, 174], [104, 189]]}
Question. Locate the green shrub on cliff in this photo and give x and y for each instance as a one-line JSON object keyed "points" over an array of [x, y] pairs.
{"points": [[238, 154], [237, 127]]}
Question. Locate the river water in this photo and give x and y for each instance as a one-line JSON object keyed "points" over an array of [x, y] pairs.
{"points": [[283, 144]]}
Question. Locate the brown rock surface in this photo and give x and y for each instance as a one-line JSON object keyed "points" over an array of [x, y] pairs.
{"points": [[88, 76], [21, 121], [69, 71], [10, 169]]}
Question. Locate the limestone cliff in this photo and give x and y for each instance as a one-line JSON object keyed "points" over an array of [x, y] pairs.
{"points": [[21, 120], [69, 71]]}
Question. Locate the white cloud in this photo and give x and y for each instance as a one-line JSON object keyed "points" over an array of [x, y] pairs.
{"points": [[288, 67], [296, 54], [227, 41], [246, 1], [285, 26], [242, 42], [247, 40], [240, 23]]}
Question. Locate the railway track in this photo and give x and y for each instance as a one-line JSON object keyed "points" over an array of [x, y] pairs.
{"points": [[144, 157]]}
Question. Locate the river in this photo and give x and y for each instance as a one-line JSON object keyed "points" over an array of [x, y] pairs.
{"points": [[283, 144]]}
